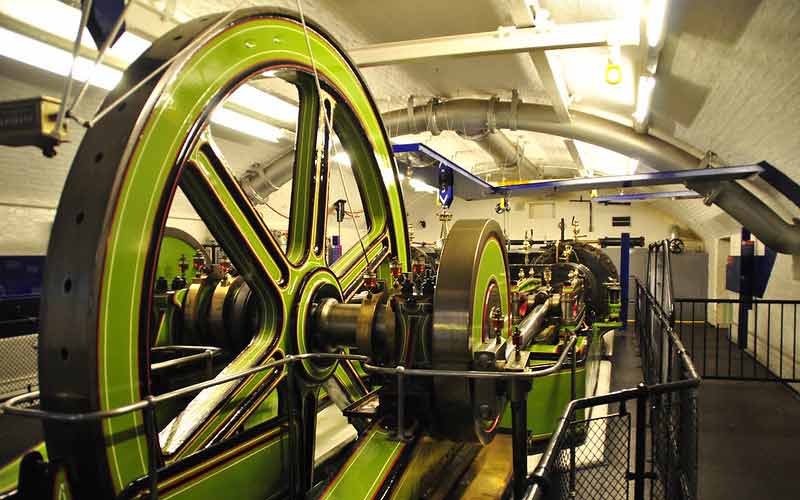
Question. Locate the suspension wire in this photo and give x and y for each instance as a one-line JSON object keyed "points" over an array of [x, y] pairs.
{"points": [[329, 126], [76, 49], [98, 60], [276, 211]]}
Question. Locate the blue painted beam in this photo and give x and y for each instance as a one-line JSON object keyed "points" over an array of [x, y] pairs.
{"points": [[649, 179], [465, 184], [675, 195], [780, 181], [624, 277], [471, 187]]}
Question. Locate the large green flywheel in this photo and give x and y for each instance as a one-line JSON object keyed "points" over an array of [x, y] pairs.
{"points": [[97, 313]]}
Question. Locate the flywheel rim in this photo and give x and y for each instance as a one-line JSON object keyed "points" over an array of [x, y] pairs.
{"points": [[106, 458]]}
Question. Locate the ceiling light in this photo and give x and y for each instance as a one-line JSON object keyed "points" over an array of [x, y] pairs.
{"points": [[264, 103], [656, 16], [55, 60], [246, 125], [43, 56], [63, 20], [643, 98]]}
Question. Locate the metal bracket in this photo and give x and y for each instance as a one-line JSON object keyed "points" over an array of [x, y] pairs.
{"points": [[711, 195], [432, 126], [513, 116], [517, 364], [410, 109], [491, 115], [708, 159]]}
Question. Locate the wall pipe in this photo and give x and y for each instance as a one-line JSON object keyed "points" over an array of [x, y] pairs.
{"points": [[475, 116], [505, 153]]}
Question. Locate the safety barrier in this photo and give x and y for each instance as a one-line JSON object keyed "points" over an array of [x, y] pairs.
{"points": [[724, 347], [18, 345], [645, 445]]}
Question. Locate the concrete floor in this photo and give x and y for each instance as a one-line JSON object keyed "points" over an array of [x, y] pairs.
{"points": [[749, 442]]}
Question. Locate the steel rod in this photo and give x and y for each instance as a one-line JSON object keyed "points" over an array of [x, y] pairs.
{"points": [[476, 374], [10, 406], [641, 431], [153, 447]]}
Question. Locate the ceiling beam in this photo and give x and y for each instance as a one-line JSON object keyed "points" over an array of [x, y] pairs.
{"points": [[504, 40], [550, 74]]}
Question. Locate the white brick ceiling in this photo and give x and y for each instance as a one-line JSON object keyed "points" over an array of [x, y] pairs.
{"points": [[728, 80]]}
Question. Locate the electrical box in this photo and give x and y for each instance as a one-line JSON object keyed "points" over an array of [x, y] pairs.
{"points": [[749, 273]]}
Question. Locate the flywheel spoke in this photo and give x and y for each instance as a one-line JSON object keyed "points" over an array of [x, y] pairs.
{"points": [[219, 200]]}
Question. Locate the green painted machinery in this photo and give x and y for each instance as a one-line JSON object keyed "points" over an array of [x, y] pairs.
{"points": [[214, 388]]}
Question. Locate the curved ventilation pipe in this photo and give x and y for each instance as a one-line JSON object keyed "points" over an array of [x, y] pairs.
{"points": [[262, 179], [474, 116], [506, 155]]}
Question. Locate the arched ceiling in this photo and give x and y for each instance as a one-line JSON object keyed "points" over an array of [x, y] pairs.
{"points": [[727, 80]]}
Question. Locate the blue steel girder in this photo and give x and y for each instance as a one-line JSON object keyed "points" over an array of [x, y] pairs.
{"points": [[465, 184], [470, 187], [717, 174], [674, 195]]}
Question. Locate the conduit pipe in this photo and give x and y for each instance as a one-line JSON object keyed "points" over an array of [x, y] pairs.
{"points": [[505, 153], [476, 116], [262, 179]]}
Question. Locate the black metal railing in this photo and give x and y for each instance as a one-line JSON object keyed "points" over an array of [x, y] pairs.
{"points": [[658, 277], [640, 441], [27, 404], [724, 347]]}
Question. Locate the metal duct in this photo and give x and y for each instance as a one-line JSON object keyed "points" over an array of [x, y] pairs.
{"points": [[753, 214], [505, 153], [263, 179], [475, 116]]}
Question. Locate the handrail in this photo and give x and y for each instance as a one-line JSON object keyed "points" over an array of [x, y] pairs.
{"points": [[754, 300], [538, 478], [401, 370], [205, 352], [11, 407]]}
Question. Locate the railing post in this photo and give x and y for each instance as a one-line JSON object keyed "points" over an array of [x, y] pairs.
{"points": [[400, 403], [624, 277], [641, 432], [519, 436], [294, 448], [210, 364], [570, 421], [153, 447]]}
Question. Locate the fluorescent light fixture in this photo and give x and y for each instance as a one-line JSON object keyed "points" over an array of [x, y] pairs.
{"points": [[342, 158], [656, 15], [246, 125], [264, 103], [645, 95], [63, 20], [418, 185], [43, 56]]}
